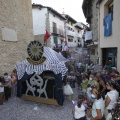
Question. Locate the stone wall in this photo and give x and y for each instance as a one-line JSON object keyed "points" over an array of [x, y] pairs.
{"points": [[94, 21], [16, 15], [39, 38], [94, 28]]}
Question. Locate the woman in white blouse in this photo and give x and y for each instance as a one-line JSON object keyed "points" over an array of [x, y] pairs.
{"points": [[98, 105], [112, 96]]}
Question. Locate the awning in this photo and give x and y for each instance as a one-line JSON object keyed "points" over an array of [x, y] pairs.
{"points": [[52, 63], [59, 56]]}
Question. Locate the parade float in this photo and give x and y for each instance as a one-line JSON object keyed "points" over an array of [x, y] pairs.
{"points": [[40, 75]]}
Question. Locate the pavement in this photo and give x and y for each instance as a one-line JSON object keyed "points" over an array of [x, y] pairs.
{"points": [[18, 109]]}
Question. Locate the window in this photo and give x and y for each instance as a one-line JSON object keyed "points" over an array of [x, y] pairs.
{"points": [[54, 28], [55, 40], [68, 28], [71, 24], [78, 31], [54, 15], [61, 32], [70, 39], [110, 7]]}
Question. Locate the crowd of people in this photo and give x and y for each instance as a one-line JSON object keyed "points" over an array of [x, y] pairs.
{"points": [[8, 86], [99, 90]]}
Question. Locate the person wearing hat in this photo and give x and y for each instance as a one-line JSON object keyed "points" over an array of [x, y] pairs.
{"points": [[112, 96]]}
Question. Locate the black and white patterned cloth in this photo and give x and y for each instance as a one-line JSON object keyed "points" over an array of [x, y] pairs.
{"points": [[52, 63]]}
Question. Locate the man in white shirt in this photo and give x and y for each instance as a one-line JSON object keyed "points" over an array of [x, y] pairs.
{"points": [[65, 50]]}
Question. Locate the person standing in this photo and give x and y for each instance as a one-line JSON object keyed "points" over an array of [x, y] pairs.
{"points": [[14, 82], [84, 83], [109, 67], [65, 50], [79, 111], [79, 78], [79, 43], [1, 91], [102, 85], [92, 81], [111, 97], [98, 105], [7, 86]]}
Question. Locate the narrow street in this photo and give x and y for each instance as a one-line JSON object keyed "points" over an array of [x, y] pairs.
{"points": [[59, 60], [17, 109]]}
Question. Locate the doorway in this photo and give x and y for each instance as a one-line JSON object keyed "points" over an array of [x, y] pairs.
{"points": [[109, 54]]}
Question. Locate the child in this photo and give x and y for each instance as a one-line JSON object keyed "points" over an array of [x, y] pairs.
{"points": [[89, 111], [14, 82], [1, 91], [79, 111], [84, 101], [7, 85]]}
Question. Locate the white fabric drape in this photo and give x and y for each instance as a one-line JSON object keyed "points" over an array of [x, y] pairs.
{"points": [[52, 63]]}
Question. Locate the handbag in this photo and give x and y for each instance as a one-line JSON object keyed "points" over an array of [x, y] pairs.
{"points": [[67, 90]]}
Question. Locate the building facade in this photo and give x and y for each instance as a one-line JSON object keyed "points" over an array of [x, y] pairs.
{"points": [[46, 18], [91, 14], [109, 24], [16, 32], [73, 31]]}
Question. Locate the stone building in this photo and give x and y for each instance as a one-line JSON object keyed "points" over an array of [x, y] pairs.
{"points": [[73, 31], [16, 31], [91, 14]]}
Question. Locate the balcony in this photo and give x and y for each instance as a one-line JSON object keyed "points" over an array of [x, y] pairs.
{"points": [[57, 31], [70, 33], [79, 35], [72, 44]]}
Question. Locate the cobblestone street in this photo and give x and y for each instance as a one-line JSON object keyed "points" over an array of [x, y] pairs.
{"points": [[17, 109]]}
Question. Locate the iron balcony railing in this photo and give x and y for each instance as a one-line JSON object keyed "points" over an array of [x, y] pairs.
{"points": [[57, 31]]}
